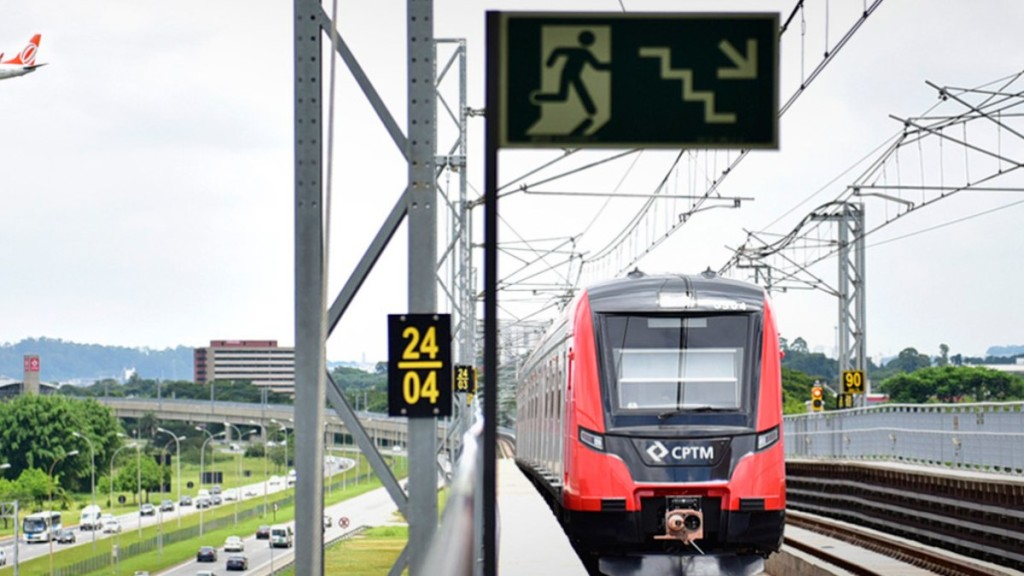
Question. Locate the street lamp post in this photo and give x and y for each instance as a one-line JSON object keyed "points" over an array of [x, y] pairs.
{"points": [[202, 469], [284, 428], [177, 456], [92, 463], [238, 467], [138, 476], [112, 458], [50, 486], [266, 451]]}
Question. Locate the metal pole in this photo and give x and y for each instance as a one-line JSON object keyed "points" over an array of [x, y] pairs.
{"points": [[50, 487], [177, 456], [17, 545], [238, 465], [490, 389], [92, 463], [422, 250], [138, 479], [310, 289], [202, 470]]}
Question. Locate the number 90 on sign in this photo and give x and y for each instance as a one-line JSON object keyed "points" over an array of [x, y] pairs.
{"points": [[853, 382], [419, 365]]}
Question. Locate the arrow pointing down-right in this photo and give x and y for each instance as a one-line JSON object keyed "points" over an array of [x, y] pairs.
{"points": [[745, 66]]}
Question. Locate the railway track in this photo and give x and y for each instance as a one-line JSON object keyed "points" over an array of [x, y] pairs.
{"points": [[905, 551], [506, 448], [974, 516]]}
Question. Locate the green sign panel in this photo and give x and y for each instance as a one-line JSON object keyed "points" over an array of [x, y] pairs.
{"points": [[637, 80]]}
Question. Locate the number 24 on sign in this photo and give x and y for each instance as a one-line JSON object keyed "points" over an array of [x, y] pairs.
{"points": [[413, 387]]}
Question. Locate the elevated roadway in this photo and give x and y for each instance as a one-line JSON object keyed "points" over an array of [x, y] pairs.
{"points": [[386, 431]]}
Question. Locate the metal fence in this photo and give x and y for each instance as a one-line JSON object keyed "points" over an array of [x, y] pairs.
{"points": [[985, 436]]}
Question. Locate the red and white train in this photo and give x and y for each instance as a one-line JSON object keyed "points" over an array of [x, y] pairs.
{"points": [[651, 416]]}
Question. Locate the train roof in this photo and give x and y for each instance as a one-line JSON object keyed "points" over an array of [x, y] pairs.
{"points": [[675, 293]]}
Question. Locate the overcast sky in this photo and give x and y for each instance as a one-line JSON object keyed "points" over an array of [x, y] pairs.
{"points": [[146, 172]]}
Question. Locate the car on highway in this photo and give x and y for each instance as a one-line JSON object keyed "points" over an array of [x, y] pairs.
{"points": [[237, 562], [263, 532], [206, 554], [215, 489], [147, 509], [281, 537], [250, 491], [65, 536], [203, 502], [216, 500], [234, 544], [276, 480], [185, 501], [3, 558], [205, 573], [110, 524], [327, 521], [230, 495], [167, 506]]}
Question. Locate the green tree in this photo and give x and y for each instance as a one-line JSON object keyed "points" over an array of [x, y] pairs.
{"points": [[909, 360], [943, 359], [796, 390], [799, 345], [38, 430], [126, 479], [953, 384], [33, 485], [147, 425]]}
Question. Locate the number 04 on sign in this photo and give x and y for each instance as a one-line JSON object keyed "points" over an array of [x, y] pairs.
{"points": [[419, 365]]}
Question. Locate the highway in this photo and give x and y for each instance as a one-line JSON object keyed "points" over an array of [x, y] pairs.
{"points": [[371, 509], [133, 521]]}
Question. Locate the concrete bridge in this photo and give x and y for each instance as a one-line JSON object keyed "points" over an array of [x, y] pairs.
{"points": [[386, 431]]}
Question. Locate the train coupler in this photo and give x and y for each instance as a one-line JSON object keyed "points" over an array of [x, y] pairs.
{"points": [[684, 520]]}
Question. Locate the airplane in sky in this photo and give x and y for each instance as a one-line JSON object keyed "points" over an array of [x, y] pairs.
{"points": [[23, 63]]}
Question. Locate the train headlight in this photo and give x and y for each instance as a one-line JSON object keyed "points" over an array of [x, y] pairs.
{"points": [[766, 439], [592, 439]]}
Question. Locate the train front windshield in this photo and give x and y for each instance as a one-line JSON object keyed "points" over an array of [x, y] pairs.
{"points": [[664, 366]]}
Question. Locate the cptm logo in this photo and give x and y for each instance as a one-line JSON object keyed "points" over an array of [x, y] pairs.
{"points": [[657, 451]]}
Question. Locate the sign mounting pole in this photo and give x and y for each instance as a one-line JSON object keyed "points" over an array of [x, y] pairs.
{"points": [[422, 204], [310, 293]]}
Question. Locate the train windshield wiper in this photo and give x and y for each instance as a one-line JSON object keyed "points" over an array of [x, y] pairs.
{"points": [[704, 408]]}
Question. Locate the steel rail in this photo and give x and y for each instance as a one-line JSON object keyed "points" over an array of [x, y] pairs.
{"points": [[931, 559]]}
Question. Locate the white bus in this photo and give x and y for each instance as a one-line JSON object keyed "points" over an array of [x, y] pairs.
{"points": [[41, 526]]}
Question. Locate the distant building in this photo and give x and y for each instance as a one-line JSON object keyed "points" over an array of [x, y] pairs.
{"points": [[261, 362], [30, 383]]}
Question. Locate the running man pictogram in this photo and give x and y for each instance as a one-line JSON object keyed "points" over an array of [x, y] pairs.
{"points": [[574, 95], [576, 58]]}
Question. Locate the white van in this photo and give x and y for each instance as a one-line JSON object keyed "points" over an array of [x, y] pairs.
{"points": [[281, 537], [90, 519]]}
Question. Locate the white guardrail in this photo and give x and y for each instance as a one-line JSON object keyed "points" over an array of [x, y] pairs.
{"points": [[986, 437]]}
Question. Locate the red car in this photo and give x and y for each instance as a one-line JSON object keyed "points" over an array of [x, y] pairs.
{"points": [[263, 532]]}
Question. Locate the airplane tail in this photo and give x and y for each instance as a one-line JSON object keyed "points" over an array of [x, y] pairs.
{"points": [[27, 56]]}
